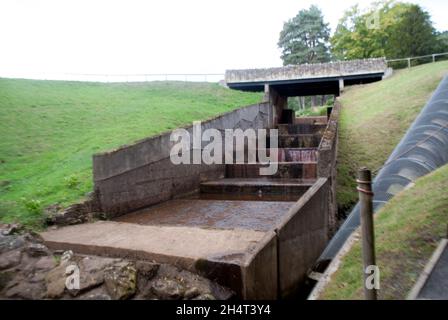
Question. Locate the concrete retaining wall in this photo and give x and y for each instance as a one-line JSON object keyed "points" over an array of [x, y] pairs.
{"points": [[142, 174], [326, 167], [301, 236]]}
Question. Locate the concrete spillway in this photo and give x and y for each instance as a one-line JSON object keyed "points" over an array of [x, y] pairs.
{"points": [[257, 235]]}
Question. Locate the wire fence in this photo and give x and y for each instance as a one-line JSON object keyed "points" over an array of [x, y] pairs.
{"points": [[415, 61], [144, 77], [191, 77]]}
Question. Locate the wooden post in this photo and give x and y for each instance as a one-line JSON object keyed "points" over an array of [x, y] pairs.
{"points": [[409, 63], [368, 238], [433, 58]]}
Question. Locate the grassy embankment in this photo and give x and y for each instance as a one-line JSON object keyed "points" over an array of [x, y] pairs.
{"points": [[407, 231], [50, 129]]}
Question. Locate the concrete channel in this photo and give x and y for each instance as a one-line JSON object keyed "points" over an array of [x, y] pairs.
{"points": [[254, 234]]}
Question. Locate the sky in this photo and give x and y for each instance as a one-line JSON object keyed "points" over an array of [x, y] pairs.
{"points": [[40, 37]]}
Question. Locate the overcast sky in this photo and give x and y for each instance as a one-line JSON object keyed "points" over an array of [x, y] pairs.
{"points": [[165, 36]]}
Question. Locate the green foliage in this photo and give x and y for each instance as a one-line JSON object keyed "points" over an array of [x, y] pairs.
{"points": [[442, 42], [313, 111], [72, 181], [412, 35], [32, 206], [401, 30], [304, 38], [50, 130]]}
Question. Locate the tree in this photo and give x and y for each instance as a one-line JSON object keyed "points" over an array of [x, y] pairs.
{"points": [[412, 35], [304, 38], [402, 30], [442, 42]]}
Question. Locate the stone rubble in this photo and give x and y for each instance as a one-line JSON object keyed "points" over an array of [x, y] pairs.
{"points": [[29, 270]]}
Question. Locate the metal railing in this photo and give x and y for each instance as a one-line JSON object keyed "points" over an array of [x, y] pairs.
{"points": [[430, 57]]}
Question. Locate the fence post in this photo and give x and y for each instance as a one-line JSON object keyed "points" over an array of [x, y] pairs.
{"points": [[409, 63], [433, 58], [367, 232]]}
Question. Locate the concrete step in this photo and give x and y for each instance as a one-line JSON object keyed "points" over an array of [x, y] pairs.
{"points": [[301, 128], [232, 257], [311, 120], [263, 189], [303, 155], [215, 214], [286, 155], [287, 170], [298, 141]]}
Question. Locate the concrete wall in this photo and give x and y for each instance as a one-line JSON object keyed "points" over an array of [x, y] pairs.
{"points": [[292, 72], [301, 236], [142, 174], [251, 275], [326, 167]]}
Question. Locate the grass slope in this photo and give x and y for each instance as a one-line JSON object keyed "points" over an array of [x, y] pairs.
{"points": [[375, 117], [407, 230], [50, 129]]}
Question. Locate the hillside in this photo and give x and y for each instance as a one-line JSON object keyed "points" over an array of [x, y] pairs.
{"points": [[407, 230], [50, 129], [375, 117]]}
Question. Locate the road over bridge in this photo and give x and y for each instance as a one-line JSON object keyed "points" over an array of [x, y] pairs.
{"points": [[308, 79]]}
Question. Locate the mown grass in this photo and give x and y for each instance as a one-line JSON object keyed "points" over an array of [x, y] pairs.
{"points": [[50, 129], [407, 229], [374, 118]]}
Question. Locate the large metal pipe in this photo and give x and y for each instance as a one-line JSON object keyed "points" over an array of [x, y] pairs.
{"points": [[423, 149]]}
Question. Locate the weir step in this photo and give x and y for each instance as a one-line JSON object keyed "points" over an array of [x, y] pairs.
{"points": [[301, 128], [284, 155], [256, 189], [298, 141], [289, 170], [311, 120]]}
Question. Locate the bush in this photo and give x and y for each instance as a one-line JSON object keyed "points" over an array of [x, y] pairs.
{"points": [[33, 206], [72, 181]]}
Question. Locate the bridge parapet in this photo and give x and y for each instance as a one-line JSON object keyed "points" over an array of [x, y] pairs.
{"points": [[308, 71]]}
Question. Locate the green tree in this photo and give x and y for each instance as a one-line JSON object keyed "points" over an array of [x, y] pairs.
{"points": [[442, 42], [412, 35], [402, 30], [304, 38]]}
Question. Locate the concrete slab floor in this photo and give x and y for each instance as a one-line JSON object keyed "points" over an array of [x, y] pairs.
{"points": [[219, 214], [177, 245]]}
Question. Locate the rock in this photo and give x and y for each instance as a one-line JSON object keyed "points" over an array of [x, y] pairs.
{"points": [[25, 290], [66, 256], [5, 278], [74, 214], [10, 259], [121, 280], [147, 269], [11, 242], [10, 229], [37, 250], [98, 296], [55, 282], [167, 289], [192, 293], [45, 263], [98, 293], [92, 272], [205, 296]]}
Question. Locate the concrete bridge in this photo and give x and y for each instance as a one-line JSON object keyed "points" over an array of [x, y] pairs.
{"points": [[308, 79]]}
